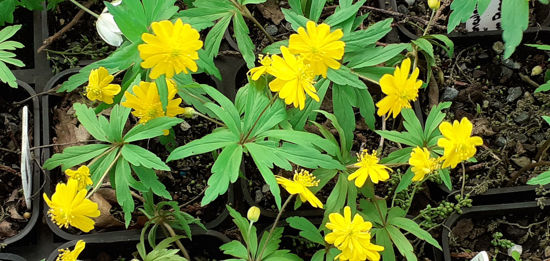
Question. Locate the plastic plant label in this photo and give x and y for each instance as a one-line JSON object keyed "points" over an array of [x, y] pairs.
{"points": [[488, 21], [26, 166], [482, 256]]}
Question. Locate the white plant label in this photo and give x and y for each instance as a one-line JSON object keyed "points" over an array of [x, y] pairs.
{"points": [[482, 256], [488, 21], [26, 166]]}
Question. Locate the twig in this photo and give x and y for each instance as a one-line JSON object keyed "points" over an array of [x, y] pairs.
{"points": [[65, 28], [528, 80], [193, 199], [8, 169], [11, 151], [178, 242], [62, 144], [516, 174], [53, 90]]}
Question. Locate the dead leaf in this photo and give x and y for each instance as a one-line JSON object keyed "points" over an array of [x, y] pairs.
{"points": [[6, 230], [271, 10], [482, 127], [108, 194], [14, 214], [66, 129], [13, 196], [105, 219]]}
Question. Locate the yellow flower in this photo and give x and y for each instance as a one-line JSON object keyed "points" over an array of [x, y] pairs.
{"points": [[171, 50], [146, 101], [352, 237], [421, 163], [265, 62], [457, 143], [369, 167], [82, 175], [253, 214], [100, 87], [399, 88], [299, 185], [69, 206], [434, 4], [68, 255], [293, 77], [319, 47]]}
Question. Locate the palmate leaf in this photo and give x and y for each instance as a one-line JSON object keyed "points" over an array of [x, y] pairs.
{"points": [[515, 19], [213, 141], [139, 156], [6, 75], [122, 189], [412, 227], [307, 229], [224, 171], [151, 129], [75, 155]]}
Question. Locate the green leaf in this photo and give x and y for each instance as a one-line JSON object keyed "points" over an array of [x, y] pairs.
{"points": [[399, 137], [246, 47], [383, 239], [275, 48], [547, 119], [282, 255], [543, 87], [448, 44], [162, 88], [157, 10], [434, 119], [398, 156], [272, 245], [151, 129], [264, 162], [375, 210], [337, 198], [87, 117], [213, 141], [139, 156], [345, 144], [235, 248], [402, 243], [303, 138], [227, 112], [7, 8], [118, 118], [344, 13], [413, 126], [543, 47], [446, 178], [425, 46], [343, 101], [372, 56], [413, 228], [130, 18], [316, 9], [462, 10], [296, 6], [101, 165], [75, 155], [8, 31], [224, 171], [357, 40], [295, 20], [515, 19], [405, 181], [373, 74], [541, 179], [344, 76], [214, 37], [7, 76], [123, 194], [307, 229], [149, 178], [246, 2]]}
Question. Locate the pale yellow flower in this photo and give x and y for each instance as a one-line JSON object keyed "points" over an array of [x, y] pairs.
{"points": [[352, 237], [253, 214], [457, 142], [171, 49], [299, 185], [399, 88], [319, 47], [422, 164], [82, 175], [100, 87], [369, 168], [69, 206], [293, 79], [434, 4], [68, 255]]}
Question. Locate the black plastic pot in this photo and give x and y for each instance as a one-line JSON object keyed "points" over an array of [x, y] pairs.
{"points": [[119, 244], [521, 193], [11, 257], [52, 83], [36, 185], [486, 211], [543, 13]]}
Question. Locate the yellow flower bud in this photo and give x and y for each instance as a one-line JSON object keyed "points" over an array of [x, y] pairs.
{"points": [[253, 214], [434, 4], [188, 112], [536, 70]]}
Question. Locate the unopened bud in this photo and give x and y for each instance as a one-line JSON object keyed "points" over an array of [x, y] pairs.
{"points": [[536, 70], [434, 4], [189, 112], [253, 214]]}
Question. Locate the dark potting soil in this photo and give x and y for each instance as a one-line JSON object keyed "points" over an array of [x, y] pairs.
{"points": [[12, 201], [471, 235]]}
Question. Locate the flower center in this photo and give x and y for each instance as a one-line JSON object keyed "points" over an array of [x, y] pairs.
{"points": [[94, 91], [306, 179]]}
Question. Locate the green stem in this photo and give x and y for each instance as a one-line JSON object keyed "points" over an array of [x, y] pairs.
{"points": [[85, 8], [246, 13], [209, 119], [243, 140], [178, 242], [98, 184], [247, 240], [259, 257], [411, 198], [101, 155]]}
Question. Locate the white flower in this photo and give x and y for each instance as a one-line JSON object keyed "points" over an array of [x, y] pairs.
{"points": [[107, 27]]}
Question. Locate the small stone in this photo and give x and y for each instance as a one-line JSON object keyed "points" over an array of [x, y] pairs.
{"points": [[514, 94], [449, 94], [403, 9], [272, 29], [500, 142], [511, 64], [265, 188], [184, 126], [485, 104], [483, 56], [520, 137], [522, 117], [521, 162], [538, 137], [505, 74], [258, 196], [478, 73], [547, 251], [498, 47]]}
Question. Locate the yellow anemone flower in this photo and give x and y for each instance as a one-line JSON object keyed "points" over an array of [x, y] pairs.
{"points": [[299, 185], [352, 237], [100, 87], [422, 164], [68, 255], [457, 142], [265, 62], [319, 47], [293, 78], [146, 101], [171, 49], [69, 206], [399, 88], [369, 168], [82, 175], [434, 4]]}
